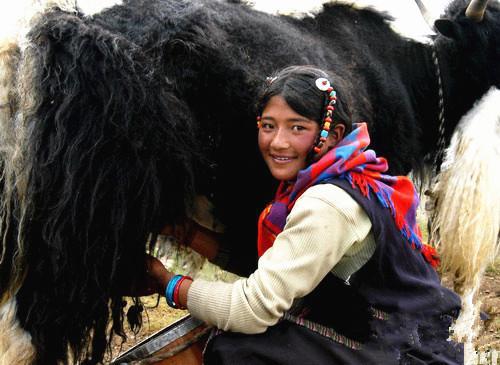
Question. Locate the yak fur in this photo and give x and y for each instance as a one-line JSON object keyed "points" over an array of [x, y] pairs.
{"points": [[465, 223]]}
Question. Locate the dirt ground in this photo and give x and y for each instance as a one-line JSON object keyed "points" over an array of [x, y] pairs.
{"points": [[156, 318], [489, 337]]}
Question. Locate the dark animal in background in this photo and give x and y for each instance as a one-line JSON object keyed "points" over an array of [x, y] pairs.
{"points": [[122, 118]]}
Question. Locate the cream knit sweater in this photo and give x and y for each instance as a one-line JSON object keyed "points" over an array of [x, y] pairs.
{"points": [[326, 231]]}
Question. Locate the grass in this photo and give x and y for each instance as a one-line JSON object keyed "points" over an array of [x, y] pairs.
{"points": [[494, 268]]}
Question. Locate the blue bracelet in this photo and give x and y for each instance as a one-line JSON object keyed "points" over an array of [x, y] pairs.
{"points": [[169, 290]]}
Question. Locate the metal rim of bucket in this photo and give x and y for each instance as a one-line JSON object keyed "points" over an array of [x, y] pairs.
{"points": [[159, 340]]}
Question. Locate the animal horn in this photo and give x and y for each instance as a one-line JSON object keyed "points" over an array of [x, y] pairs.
{"points": [[426, 14], [476, 9]]}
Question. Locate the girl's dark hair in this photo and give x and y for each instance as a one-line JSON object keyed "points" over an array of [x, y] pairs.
{"points": [[297, 85]]}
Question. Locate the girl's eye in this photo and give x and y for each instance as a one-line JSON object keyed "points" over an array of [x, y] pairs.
{"points": [[298, 128], [265, 125]]}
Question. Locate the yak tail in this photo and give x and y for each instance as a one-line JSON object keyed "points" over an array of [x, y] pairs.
{"points": [[101, 158], [466, 220]]}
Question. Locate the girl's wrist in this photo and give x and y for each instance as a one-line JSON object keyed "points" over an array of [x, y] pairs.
{"points": [[176, 291], [164, 282]]}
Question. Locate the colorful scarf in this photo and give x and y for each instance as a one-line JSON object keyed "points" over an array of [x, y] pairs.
{"points": [[363, 169]]}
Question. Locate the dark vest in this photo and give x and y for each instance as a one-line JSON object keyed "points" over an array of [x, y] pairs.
{"points": [[396, 280]]}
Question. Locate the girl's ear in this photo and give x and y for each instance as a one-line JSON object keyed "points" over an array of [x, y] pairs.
{"points": [[335, 136]]}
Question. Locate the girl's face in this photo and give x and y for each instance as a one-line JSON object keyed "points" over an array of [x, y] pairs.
{"points": [[285, 139]]}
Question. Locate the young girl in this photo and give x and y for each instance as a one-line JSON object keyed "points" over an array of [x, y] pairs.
{"points": [[343, 277]]}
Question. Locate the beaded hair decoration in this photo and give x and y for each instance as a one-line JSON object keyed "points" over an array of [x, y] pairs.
{"points": [[324, 85]]}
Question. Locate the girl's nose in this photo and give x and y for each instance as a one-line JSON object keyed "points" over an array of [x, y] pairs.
{"points": [[280, 140]]}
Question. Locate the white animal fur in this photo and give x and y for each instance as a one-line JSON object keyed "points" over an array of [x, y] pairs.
{"points": [[15, 343], [466, 221]]}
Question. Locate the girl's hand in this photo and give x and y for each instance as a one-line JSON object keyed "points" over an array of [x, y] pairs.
{"points": [[191, 234], [183, 232]]}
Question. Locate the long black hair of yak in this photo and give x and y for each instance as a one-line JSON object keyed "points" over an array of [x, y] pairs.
{"points": [[100, 129]]}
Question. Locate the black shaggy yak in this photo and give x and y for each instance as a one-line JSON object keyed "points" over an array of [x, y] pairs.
{"points": [[120, 119]]}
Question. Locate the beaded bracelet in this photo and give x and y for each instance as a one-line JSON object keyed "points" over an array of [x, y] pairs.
{"points": [[172, 291]]}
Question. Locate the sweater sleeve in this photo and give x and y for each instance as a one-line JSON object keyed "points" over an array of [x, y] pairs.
{"points": [[324, 223]]}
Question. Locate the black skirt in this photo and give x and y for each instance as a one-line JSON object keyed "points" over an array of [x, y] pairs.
{"points": [[305, 342]]}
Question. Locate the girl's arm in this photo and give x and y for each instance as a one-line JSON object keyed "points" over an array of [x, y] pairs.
{"points": [[324, 223], [195, 236]]}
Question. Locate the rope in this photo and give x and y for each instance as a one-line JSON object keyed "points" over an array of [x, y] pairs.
{"points": [[431, 203], [441, 139]]}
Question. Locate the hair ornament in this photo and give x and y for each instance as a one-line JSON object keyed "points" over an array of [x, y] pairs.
{"points": [[259, 124], [322, 84]]}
